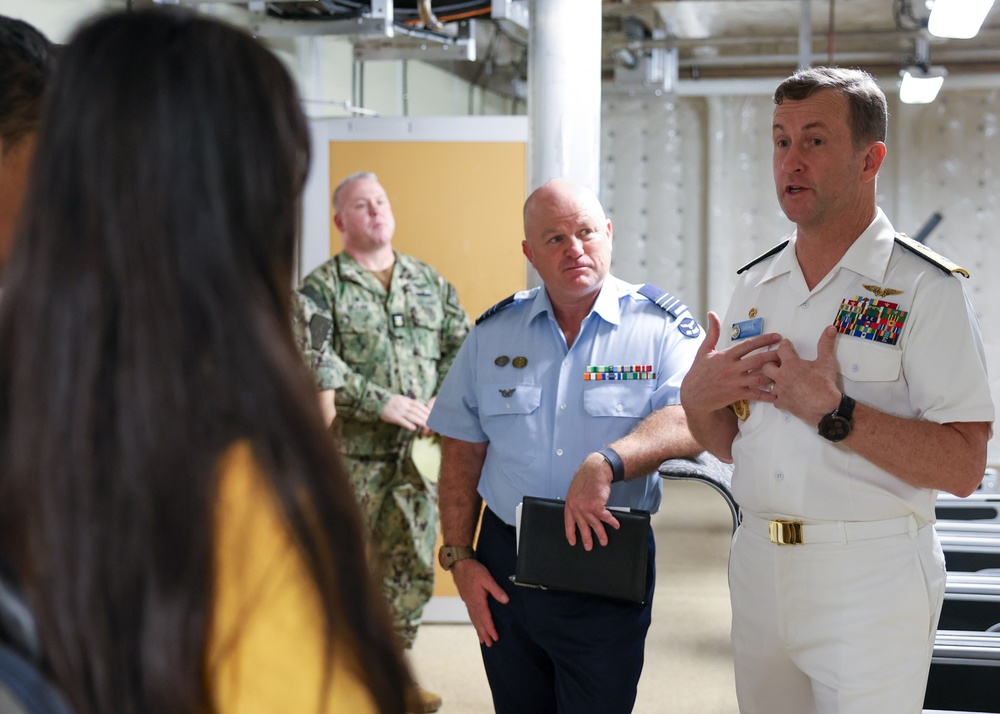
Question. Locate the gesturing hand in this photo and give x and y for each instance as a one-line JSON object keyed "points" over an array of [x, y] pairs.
{"points": [[806, 388], [718, 378]]}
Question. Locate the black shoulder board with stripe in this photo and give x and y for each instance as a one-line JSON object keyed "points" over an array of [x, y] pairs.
{"points": [[506, 302], [665, 300], [776, 249], [313, 293], [929, 255]]}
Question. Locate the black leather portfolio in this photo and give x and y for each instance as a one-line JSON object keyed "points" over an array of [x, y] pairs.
{"points": [[545, 559]]}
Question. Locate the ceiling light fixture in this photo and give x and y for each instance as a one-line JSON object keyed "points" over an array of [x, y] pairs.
{"points": [[625, 58], [921, 85], [921, 82], [958, 19]]}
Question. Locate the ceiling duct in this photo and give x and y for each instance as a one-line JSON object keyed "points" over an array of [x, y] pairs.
{"points": [[647, 62]]}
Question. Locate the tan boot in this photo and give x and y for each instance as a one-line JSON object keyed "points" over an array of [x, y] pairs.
{"points": [[420, 701]]}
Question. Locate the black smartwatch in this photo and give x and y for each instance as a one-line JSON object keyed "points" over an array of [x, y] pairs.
{"points": [[836, 426], [616, 464]]}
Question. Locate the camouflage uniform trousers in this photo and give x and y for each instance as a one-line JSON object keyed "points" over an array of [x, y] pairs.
{"points": [[402, 516]]}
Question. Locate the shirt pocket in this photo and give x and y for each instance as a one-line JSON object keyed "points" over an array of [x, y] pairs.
{"points": [[863, 361], [621, 399], [426, 316], [361, 338], [507, 399], [510, 414], [613, 409]]}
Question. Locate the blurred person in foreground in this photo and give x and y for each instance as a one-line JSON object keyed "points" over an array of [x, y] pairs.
{"points": [[26, 62], [848, 386], [182, 529]]}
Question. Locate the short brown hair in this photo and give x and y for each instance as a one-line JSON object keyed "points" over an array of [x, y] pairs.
{"points": [[868, 113]]}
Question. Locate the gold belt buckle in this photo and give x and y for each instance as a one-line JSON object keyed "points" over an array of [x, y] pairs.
{"points": [[785, 532]]}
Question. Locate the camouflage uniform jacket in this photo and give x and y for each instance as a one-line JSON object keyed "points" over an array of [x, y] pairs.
{"points": [[369, 344]]}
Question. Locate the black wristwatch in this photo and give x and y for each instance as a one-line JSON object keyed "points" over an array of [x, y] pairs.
{"points": [[836, 426]]}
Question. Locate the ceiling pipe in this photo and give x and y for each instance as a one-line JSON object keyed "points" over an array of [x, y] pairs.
{"points": [[870, 36], [984, 58]]}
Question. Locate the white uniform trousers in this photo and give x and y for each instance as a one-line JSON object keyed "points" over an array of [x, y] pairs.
{"points": [[834, 628]]}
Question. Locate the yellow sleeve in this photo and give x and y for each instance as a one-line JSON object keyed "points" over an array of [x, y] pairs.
{"points": [[266, 645]]}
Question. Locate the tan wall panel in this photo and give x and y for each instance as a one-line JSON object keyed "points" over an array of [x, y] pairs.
{"points": [[457, 207]]}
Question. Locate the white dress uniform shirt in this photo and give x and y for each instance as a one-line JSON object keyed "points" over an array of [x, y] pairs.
{"points": [[918, 354]]}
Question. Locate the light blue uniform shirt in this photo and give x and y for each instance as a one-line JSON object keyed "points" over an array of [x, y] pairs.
{"points": [[542, 419]]}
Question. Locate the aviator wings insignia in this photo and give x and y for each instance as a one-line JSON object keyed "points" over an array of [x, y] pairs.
{"points": [[882, 292]]}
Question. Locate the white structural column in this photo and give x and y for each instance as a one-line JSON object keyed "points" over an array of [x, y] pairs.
{"points": [[805, 34], [564, 92]]}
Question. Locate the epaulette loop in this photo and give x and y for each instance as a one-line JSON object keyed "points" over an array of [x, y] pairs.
{"points": [[918, 248], [673, 307], [776, 249], [506, 302]]}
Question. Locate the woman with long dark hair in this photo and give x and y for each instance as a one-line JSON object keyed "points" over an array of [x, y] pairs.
{"points": [[178, 518]]}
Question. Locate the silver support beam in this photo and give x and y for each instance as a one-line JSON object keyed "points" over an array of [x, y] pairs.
{"points": [[805, 33], [514, 10], [414, 43], [564, 92], [357, 27]]}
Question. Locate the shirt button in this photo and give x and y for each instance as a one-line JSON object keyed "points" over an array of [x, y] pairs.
{"points": [[805, 304], [619, 407], [507, 404], [855, 367], [780, 476], [562, 406], [559, 452], [788, 417]]}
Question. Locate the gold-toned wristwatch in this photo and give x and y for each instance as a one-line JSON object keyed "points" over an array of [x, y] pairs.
{"points": [[451, 554]]}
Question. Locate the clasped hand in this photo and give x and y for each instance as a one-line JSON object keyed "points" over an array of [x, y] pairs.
{"points": [[718, 378], [408, 413], [804, 388]]}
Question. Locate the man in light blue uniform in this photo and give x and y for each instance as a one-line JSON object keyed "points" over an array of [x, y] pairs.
{"points": [[569, 391]]}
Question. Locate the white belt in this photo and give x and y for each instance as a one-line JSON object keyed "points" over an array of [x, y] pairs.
{"points": [[792, 532]]}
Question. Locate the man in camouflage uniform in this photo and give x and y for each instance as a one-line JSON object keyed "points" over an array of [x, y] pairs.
{"points": [[379, 330]]}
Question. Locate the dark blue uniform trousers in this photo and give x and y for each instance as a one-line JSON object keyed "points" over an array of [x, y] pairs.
{"points": [[558, 651]]}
